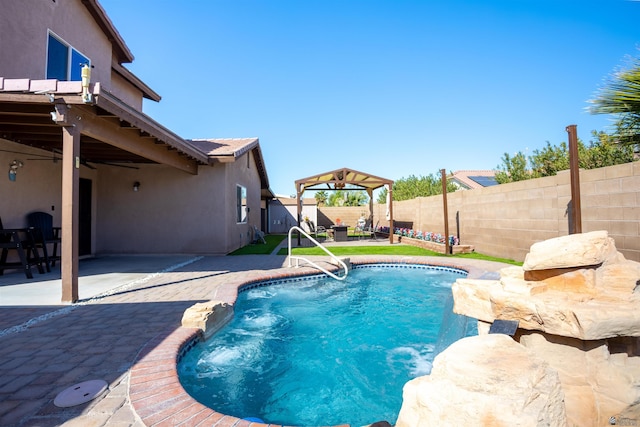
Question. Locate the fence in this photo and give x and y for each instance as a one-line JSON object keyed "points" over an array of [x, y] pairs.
{"points": [[505, 220]]}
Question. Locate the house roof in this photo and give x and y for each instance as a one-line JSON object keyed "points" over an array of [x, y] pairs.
{"points": [[292, 201], [147, 92], [121, 53], [225, 150], [471, 179], [120, 49]]}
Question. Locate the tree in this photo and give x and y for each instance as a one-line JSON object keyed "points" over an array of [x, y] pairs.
{"points": [[621, 97], [513, 168], [321, 198], [412, 187], [601, 151], [348, 198], [605, 151], [550, 160]]}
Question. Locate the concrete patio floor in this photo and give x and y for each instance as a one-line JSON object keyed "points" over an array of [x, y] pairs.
{"points": [[127, 301]]}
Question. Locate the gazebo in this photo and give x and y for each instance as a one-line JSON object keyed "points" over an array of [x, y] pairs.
{"points": [[347, 179]]}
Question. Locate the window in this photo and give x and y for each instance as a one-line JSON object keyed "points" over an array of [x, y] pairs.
{"points": [[63, 61], [241, 204]]}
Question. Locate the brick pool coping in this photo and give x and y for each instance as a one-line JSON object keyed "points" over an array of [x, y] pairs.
{"points": [[155, 391]]}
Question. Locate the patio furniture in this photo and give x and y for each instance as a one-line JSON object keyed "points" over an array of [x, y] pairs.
{"points": [[258, 235], [317, 230], [44, 234], [340, 233], [19, 240]]}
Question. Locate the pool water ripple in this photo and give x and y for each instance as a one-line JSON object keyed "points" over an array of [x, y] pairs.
{"points": [[288, 358]]}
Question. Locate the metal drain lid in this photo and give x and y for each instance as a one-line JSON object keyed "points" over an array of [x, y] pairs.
{"points": [[80, 393]]}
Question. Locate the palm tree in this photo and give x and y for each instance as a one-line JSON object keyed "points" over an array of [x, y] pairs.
{"points": [[321, 198], [621, 97]]}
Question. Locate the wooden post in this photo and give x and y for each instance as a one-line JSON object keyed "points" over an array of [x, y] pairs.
{"points": [[391, 214], [70, 197], [443, 173], [574, 165], [299, 193]]}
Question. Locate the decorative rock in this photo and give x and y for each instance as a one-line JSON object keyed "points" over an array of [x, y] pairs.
{"points": [[575, 250], [487, 380], [208, 316], [592, 378], [584, 299]]}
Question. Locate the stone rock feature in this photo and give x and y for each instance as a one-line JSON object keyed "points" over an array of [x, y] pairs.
{"points": [[577, 301], [208, 316], [486, 380]]}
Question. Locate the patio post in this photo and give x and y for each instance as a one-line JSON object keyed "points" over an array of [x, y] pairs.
{"points": [[443, 173], [70, 196], [574, 168]]}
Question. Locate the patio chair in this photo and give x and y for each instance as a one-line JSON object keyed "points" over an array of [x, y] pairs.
{"points": [[44, 234], [19, 240], [318, 230], [370, 230], [258, 235]]}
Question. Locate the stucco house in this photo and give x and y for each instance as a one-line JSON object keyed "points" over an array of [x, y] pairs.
{"points": [[114, 179]]}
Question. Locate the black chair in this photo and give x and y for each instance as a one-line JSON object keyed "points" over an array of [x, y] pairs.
{"points": [[44, 233], [22, 241]]}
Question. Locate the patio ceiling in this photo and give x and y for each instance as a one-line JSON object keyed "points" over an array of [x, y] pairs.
{"points": [[342, 179], [113, 133]]}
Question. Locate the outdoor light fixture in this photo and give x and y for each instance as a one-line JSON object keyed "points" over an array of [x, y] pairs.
{"points": [[136, 186], [13, 169], [86, 78]]}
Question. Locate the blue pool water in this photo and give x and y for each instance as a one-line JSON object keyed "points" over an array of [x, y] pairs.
{"points": [[319, 351]]}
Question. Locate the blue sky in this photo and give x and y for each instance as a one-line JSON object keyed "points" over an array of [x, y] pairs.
{"points": [[392, 88]]}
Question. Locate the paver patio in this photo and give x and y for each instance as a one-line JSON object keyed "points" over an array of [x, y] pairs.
{"points": [[100, 338]]}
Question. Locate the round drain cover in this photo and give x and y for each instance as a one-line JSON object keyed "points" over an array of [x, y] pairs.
{"points": [[80, 393]]}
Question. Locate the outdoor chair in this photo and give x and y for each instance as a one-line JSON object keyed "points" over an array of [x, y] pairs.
{"points": [[317, 230], [365, 229], [21, 241], [258, 235], [44, 234]]}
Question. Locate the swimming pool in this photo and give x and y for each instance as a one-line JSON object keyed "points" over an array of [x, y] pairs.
{"points": [[315, 351]]}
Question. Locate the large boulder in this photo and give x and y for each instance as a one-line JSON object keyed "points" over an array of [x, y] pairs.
{"points": [[574, 250], [487, 380], [577, 304], [594, 299]]}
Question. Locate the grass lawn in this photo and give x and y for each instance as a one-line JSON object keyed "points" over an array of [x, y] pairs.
{"points": [[390, 250], [273, 240]]}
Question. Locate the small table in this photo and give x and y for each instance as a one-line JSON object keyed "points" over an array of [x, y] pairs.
{"points": [[340, 233]]}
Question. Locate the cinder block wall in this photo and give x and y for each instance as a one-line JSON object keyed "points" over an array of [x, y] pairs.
{"points": [[505, 220]]}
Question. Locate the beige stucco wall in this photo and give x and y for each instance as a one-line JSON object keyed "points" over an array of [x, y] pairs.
{"points": [[23, 31], [505, 220], [24, 26], [173, 212], [37, 187]]}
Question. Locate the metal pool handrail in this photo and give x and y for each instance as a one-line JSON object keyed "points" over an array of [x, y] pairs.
{"points": [[318, 244]]}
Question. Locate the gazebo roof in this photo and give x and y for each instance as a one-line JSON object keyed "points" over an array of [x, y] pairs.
{"points": [[341, 179]]}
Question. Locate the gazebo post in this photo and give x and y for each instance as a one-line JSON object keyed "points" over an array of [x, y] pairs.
{"points": [[300, 192], [390, 214]]}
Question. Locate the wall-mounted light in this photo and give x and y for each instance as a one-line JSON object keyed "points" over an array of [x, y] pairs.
{"points": [[13, 169], [136, 186]]}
